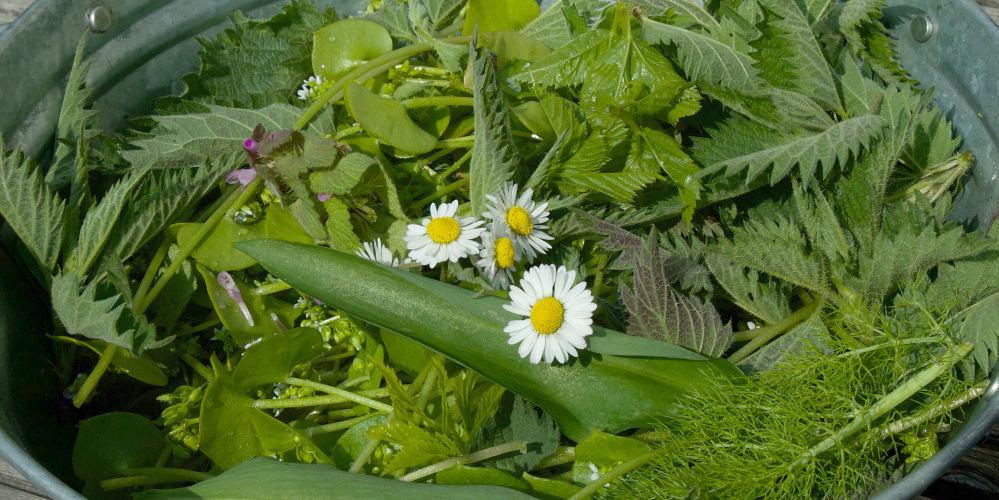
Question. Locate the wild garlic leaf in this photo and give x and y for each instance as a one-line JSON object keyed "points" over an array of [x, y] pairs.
{"points": [[76, 122], [90, 311], [657, 311], [98, 225], [813, 75], [495, 158], [33, 210], [739, 145], [704, 58], [517, 420], [182, 140]]}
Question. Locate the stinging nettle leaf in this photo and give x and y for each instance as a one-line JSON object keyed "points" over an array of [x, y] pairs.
{"points": [[107, 319], [494, 157], [75, 122], [657, 311], [33, 210]]}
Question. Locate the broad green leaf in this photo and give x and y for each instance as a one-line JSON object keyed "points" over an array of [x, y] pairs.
{"points": [[183, 140], [386, 120], [855, 13], [704, 58], [604, 391], [280, 224], [268, 479], [89, 311], [567, 65], [272, 358], [75, 124], [517, 420], [34, 212], [551, 27], [347, 44], [495, 159], [215, 250], [109, 444], [510, 46], [604, 451], [499, 15], [260, 307], [404, 353]]}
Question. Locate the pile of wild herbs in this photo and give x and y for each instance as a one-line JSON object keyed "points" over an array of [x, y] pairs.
{"points": [[753, 191]]}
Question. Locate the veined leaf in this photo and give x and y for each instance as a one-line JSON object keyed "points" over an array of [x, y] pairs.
{"points": [[343, 177], [607, 387], [33, 210], [99, 223], [182, 140], [687, 8], [657, 311], [434, 15], [933, 141], [420, 446], [393, 16], [75, 122], [621, 186], [565, 66], [766, 299], [108, 319], [705, 59], [494, 157], [739, 144], [855, 13], [816, 10], [517, 420], [809, 334], [551, 27]]}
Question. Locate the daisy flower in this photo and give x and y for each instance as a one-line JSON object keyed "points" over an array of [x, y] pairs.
{"points": [[524, 218], [442, 237], [498, 256], [559, 316], [376, 251]]}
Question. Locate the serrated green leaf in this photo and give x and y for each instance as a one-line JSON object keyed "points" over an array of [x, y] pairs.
{"points": [[420, 446], [393, 16], [517, 420], [688, 8], [740, 145], [107, 318], [32, 209], [566, 66], [621, 186], [99, 223], [75, 121], [182, 140], [551, 27], [764, 298], [657, 311], [432, 16], [855, 13], [705, 59], [341, 232], [494, 157], [344, 176], [933, 141]]}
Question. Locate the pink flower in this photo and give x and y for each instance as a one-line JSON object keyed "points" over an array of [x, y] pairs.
{"points": [[250, 145], [243, 176], [323, 197]]}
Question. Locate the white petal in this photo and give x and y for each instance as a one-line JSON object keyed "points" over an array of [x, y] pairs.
{"points": [[539, 349]]}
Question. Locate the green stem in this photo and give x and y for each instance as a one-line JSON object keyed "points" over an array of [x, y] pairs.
{"points": [[920, 340], [446, 100], [769, 332], [444, 191], [364, 72], [271, 288], [486, 454], [154, 475], [902, 393], [95, 376], [458, 164], [147, 278], [236, 199], [928, 414], [356, 129], [198, 367], [199, 327], [335, 396], [336, 426], [562, 455], [457, 142], [613, 474]]}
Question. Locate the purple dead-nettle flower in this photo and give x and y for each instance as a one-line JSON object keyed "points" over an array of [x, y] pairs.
{"points": [[225, 279], [242, 176], [323, 197]]}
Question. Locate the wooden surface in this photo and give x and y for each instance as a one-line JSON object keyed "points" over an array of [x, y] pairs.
{"points": [[982, 465]]}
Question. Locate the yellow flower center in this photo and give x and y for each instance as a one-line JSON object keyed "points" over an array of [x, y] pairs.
{"points": [[443, 230], [546, 315], [504, 252], [519, 221]]}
